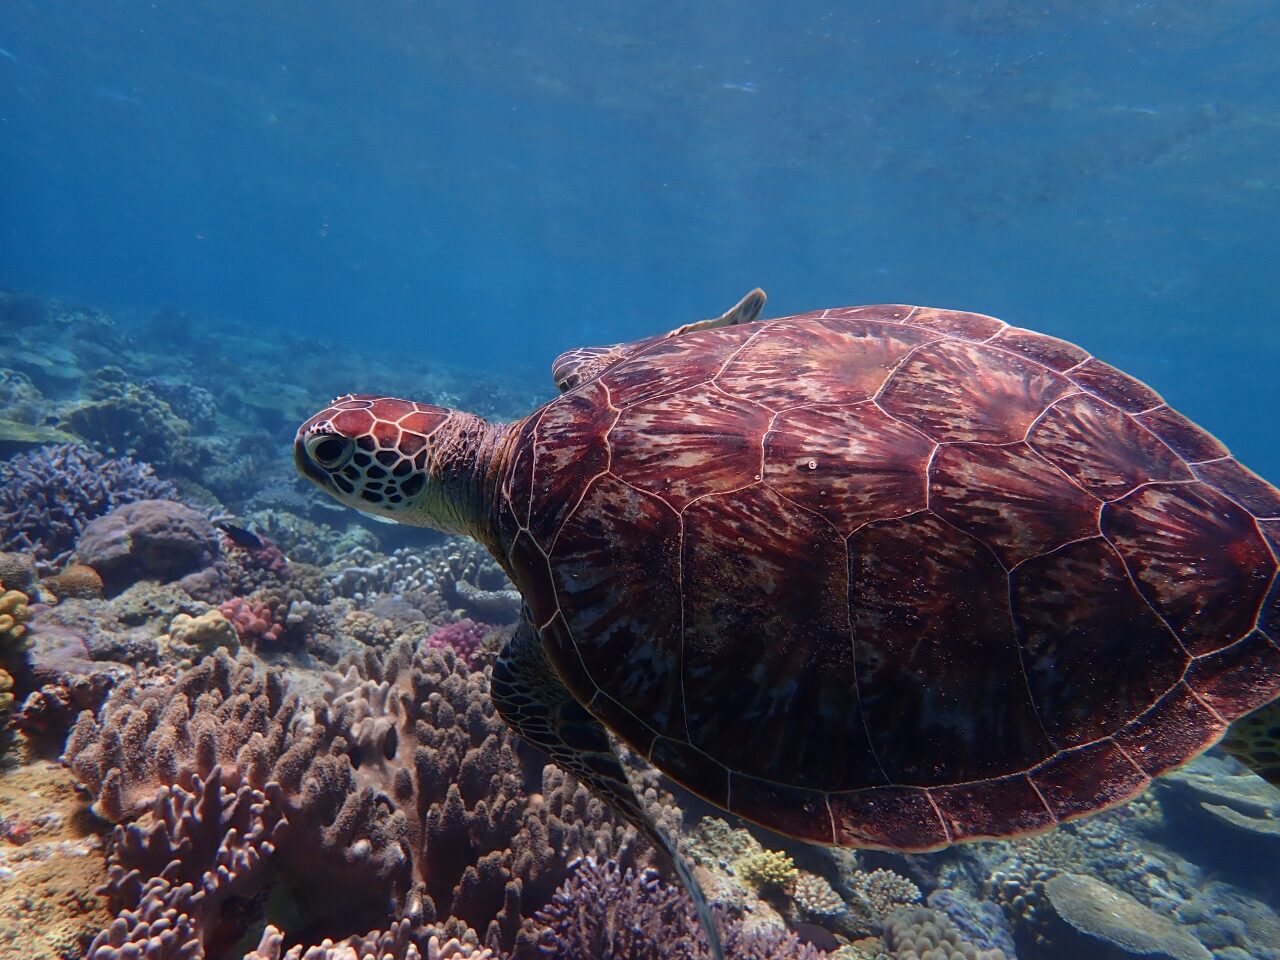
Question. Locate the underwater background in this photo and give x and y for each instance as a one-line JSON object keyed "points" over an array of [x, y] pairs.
{"points": [[215, 217]]}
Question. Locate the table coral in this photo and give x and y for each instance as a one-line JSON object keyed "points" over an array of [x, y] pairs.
{"points": [[1102, 912], [49, 495]]}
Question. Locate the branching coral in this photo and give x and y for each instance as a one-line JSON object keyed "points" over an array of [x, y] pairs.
{"points": [[252, 620], [403, 793], [398, 943], [816, 897], [883, 891], [180, 863], [464, 637], [49, 495], [606, 913], [768, 869]]}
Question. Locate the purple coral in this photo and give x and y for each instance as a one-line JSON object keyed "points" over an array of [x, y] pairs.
{"points": [[48, 496], [605, 913], [465, 638]]}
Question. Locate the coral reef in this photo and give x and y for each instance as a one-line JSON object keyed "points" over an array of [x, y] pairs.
{"points": [[127, 419], [395, 944], [49, 495]]}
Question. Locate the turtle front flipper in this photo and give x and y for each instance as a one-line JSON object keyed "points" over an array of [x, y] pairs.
{"points": [[530, 697], [574, 367], [1254, 740]]}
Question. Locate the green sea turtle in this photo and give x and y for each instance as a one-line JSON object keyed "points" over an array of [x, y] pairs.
{"points": [[881, 576]]}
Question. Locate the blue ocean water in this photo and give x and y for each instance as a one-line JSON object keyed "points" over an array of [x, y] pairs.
{"points": [[492, 185], [216, 216]]}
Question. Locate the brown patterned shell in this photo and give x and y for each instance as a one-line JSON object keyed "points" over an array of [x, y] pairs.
{"points": [[894, 576]]}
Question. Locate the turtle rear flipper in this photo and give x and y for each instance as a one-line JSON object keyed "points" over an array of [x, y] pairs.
{"points": [[530, 697], [1254, 740]]}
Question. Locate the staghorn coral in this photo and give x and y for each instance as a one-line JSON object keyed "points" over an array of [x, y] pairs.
{"points": [[923, 934], [49, 495], [1102, 912], [607, 913]]}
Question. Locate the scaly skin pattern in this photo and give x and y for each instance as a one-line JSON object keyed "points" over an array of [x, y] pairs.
{"points": [[890, 576]]}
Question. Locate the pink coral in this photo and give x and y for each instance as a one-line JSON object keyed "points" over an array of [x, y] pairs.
{"points": [[463, 637], [252, 620]]}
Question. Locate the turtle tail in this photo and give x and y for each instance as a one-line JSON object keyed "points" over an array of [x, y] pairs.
{"points": [[1254, 740]]}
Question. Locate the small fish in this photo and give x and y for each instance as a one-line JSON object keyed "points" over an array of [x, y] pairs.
{"points": [[746, 86], [6, 54], [241, 537]]}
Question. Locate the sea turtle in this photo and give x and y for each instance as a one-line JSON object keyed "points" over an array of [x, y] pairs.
{"points": [[881, 576]]}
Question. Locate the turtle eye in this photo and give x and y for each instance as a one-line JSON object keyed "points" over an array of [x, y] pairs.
{"points": [[330, 450]]}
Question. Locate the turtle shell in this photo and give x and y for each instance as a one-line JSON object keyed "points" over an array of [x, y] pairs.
{"points": [[893, 576]]}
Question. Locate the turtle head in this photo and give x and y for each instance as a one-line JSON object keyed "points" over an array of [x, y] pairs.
{"points": [[411, 462]]}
